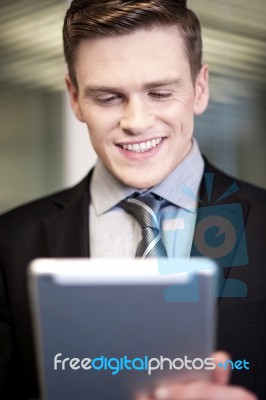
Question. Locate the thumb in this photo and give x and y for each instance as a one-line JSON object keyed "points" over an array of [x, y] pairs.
{"points": [[221, 375]]}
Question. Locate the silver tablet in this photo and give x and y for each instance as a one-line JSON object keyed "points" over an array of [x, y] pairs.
{"points": [[107, 329]]}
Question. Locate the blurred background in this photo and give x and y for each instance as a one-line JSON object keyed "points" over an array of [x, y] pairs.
{"points": [[43, 148]]}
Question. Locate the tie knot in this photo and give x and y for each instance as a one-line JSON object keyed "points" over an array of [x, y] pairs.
{"points": [[145, 208]]}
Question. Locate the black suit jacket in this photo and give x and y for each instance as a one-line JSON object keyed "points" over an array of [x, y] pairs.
{"points": [[57, 226]]}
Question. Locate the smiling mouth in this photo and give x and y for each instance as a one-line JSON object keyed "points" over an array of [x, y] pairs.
{"points": [[142, 146]]}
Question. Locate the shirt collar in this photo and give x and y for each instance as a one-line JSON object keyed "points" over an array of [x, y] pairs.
{"points": [[106, 190], [180, 188]]}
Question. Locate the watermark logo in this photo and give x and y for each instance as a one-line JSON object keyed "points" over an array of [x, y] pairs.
{"points": [[219, 235], [219, 232], [238, 364], [147, 364]]}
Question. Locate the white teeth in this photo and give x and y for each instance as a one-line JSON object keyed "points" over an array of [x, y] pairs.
{"points": [[143, 146], [148, 145], [135, 147]]}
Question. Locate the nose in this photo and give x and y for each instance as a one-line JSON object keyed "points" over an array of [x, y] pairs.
{"points": [[137, 117]]}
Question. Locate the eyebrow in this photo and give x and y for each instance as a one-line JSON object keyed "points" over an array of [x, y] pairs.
{"points": [[92, 89]]}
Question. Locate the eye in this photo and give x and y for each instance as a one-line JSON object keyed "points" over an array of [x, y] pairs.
{"points": [[107, 99], [161, 95]]}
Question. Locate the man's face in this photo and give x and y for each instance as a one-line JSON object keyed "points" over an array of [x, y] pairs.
{"points": [[137, 98]]}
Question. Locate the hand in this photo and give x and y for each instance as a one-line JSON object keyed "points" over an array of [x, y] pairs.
{"points": [[216, 389]]}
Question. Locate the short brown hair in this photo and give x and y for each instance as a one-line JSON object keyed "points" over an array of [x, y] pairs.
{"points": [[102, 18]]}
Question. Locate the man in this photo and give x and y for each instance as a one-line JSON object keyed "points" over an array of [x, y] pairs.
{"points": [[136, 80]]}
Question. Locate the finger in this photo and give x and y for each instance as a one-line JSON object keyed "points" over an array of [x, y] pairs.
{"points": [[202, 390], [143, 396], [221, 375]]}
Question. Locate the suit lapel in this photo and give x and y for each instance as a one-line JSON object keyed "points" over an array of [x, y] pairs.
{"points": [[66, 231]]}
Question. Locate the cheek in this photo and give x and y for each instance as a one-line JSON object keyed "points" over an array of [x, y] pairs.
{"points": [[101, 124], [100, 136], [180, 118], [173, 111]]}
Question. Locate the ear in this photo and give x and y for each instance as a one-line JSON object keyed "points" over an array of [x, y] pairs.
{"points": [[73, 94], [201, 91]]}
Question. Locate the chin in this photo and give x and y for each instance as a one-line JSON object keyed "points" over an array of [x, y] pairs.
{"points": [[140, 182]]}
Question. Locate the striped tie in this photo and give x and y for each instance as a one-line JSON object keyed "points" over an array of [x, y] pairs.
{"points": [[145, 209]]}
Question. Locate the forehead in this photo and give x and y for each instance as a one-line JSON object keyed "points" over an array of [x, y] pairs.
{"points": [[141, 55]]}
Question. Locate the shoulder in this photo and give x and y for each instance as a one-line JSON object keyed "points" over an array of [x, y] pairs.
{"points": [[39, 209], [254, 194]]}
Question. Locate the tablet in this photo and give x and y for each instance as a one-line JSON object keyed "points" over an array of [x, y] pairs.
{"points": [[108, 329]]}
